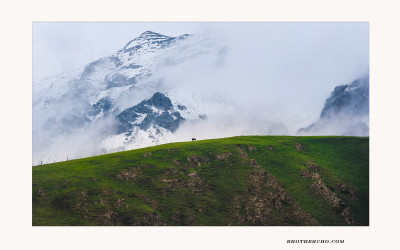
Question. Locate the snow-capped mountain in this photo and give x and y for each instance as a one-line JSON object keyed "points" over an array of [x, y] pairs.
{"points": [[346, 111], [110, 76], [110, 96]]}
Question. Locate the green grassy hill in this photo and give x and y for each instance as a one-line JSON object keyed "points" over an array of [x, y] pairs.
{"points": [[248, 180]]}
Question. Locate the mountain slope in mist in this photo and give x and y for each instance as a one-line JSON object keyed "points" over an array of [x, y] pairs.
{"points": [[251, 180], [346, 111], [89, 100]]}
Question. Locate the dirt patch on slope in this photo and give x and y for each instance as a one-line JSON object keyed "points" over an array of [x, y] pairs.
{"points": [[223, 157], [299, 147], [346, 190], [183, 217], [195, 183], [314, 167], [247, 147], [175, 183], [197, 160], [41, 193], [129, 174], [147, 154], [242, 154]]}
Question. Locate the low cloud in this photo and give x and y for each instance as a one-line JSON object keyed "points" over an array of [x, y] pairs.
{"points": [[275, 77]]}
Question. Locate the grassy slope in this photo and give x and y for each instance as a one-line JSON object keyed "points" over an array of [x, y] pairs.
{"points": [[168, 186]]}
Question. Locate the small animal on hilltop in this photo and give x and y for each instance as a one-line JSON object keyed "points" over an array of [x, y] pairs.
{"points": [[193, 139]]}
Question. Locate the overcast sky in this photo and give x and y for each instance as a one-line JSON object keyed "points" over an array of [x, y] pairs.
{"points": [[58, 47]]}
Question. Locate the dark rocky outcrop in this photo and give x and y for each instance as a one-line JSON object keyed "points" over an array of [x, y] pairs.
{"points": [[345, 112], [158, 110]]}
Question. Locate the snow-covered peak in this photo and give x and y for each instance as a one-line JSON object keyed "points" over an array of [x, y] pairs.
{"points": [[151, 39], [152, 35]]}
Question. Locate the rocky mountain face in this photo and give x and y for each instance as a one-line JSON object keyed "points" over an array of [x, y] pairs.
{"points": [[150, 122], [156, 111], [346, 111], [348, 99]]}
